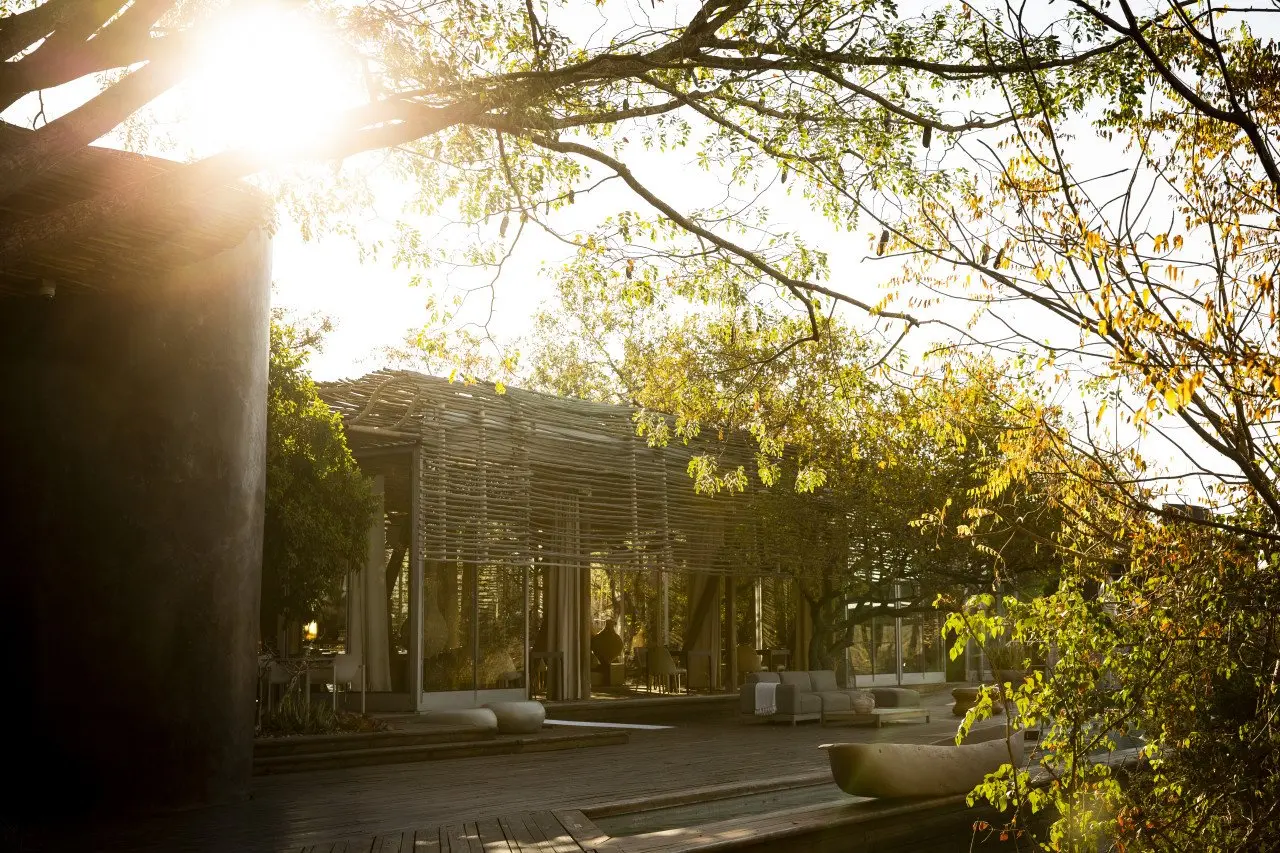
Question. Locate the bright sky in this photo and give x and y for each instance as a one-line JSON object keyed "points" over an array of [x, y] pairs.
{"points": [[268, 79]]}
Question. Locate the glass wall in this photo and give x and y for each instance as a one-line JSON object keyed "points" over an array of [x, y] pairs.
{"points": [[501, 621], [473, 627], [777, 613], [873, 656], [446, 626], [860, 659], [922, 643]]}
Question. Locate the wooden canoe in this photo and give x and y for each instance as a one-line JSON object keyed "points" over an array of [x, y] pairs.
{"points": [[916, 770]]}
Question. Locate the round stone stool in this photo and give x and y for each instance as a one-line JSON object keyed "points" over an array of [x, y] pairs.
{"points": [[479, 718], [518, 718]]}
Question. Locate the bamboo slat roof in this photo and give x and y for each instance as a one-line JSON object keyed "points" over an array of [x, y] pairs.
{"points": [[518, 477], [120, 252]]}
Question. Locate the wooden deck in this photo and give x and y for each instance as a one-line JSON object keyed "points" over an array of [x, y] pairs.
{"points": [[524, 832], [921, 826], [356, 806]]}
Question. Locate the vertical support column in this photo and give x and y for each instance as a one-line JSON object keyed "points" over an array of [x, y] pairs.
{"points": [[416, 558], [133, 489], [897, 637], [528, 674], [665, 585], [731, 631], [482, 466], [374, 648], [524, 429], [635, 545], [584, 648], [475, 636], [664, 631], [759, 613]]}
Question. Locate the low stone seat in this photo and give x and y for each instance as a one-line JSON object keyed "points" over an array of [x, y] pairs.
{"points": [[518, 718], [479, 718], [895, 697]]}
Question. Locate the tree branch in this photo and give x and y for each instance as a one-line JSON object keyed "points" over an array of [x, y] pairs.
{"points": [[798, 287], [187, 182]]}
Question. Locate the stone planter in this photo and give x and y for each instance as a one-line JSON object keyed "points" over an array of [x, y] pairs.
{"points": [[892, 770]]}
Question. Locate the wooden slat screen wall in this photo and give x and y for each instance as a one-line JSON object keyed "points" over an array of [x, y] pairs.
{"points": [[496, 465]]}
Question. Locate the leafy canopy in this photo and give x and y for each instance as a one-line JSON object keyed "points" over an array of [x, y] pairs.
{"points": [[318, 503], [1096, 182]]}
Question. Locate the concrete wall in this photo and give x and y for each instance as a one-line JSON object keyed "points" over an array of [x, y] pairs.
{"points": [[133, 428]]}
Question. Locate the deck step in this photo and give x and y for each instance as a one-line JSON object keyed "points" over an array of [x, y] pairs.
{"points": [[416, 736], [407, 753]]}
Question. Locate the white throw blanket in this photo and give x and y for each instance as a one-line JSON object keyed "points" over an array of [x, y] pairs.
{"points": [[766, 699]]}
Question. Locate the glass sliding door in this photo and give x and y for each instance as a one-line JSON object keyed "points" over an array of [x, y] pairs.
{"points": [[501, 626]]}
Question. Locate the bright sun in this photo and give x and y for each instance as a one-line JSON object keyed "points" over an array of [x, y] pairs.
{"points": [[267, 80]]}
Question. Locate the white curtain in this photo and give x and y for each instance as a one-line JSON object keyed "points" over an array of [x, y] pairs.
{"points": [[367, 602], [567, 605], [704, 667]]}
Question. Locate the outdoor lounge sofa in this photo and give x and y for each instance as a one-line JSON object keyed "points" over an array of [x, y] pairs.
{"points": [[800, 695]]}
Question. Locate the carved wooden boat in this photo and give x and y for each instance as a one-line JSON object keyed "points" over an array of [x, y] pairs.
{"points": [[917, 770]]}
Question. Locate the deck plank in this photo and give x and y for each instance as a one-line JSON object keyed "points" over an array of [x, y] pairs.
{"points": [[581, 829], [558, 838], [472, 836], [492, 838], [427, 840], [517, 835], [452, 839], [544, 843]]}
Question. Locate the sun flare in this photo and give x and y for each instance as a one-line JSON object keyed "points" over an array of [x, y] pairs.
{"points": [[269, 80]]}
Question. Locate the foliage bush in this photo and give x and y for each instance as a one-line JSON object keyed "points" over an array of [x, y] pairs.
{"points": [[318, 502], [293, 716]]}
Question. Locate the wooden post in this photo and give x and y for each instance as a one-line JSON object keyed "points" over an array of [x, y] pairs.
{"points": [[528, 684], [731, 631], [758, 613], [584, 649], [665, 632], [415, 578]]}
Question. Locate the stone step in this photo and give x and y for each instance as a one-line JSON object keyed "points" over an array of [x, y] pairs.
{"points": [[403, 754]]}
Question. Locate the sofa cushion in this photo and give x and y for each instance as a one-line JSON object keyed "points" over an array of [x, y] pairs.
{"points": [[835, 700], [823, 680], [799, 679], [762, 678], [793, 701], [810, 703], [895, 697]]}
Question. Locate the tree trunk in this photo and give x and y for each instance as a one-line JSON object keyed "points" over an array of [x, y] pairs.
{"points": [[824, 649]]}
